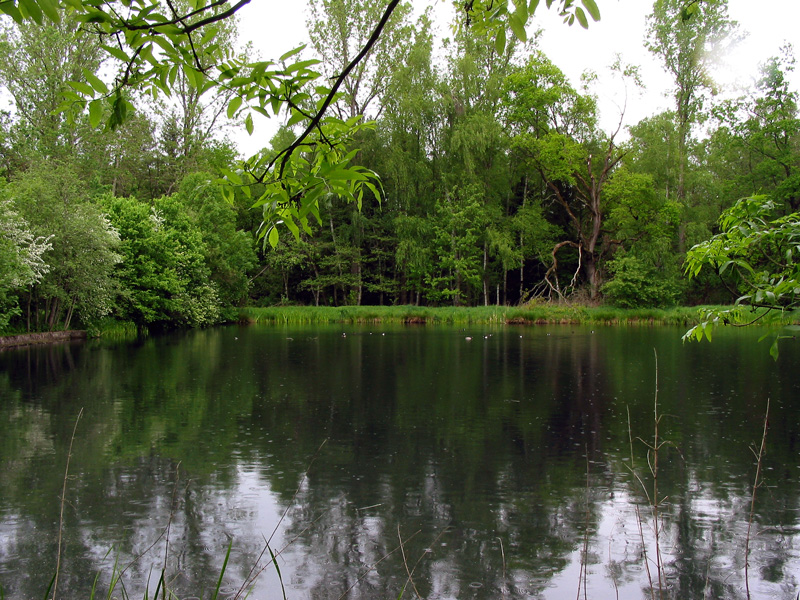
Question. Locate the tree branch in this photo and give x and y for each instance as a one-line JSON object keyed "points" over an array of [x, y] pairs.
{"points": [[285, 154]]}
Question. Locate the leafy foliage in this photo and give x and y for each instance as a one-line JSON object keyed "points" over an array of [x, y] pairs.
{"points": [[494, 19], [757, 256], [163, 274], [635, 285], [21, 258]]}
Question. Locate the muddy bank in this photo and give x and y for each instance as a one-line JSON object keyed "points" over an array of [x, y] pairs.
{"points": [[46, 337]]}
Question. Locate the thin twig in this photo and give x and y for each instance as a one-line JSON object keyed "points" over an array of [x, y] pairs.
{"points": [[503, 554], [410, 572], [372, 567], [287, 152]]}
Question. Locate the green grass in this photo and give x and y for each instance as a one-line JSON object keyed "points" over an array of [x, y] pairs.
{"points": [[485, 315], [116, 330]]}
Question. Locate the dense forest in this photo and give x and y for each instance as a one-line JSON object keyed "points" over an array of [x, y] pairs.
{"points": [[493, 181]]}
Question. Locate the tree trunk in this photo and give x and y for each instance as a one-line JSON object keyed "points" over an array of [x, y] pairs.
{"points": [[485, 275]]}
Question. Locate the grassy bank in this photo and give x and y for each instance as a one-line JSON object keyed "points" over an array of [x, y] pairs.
{"points": [[540, 314]]}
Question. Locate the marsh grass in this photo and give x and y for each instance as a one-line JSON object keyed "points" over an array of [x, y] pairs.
{"points": [[117, 330], [533, 314]]}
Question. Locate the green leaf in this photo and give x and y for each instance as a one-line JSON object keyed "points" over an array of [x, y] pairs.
{"points": [[221, 574], [303, 64], [293, 52], [773, 349], [11, 10], [273, 236], [95, 112], [116, 53], [591, 7], [581, 16], [50, 8], [95, 16], [296, 117], [248, 123], [234, 106], [517, 27], [31, 9], [522, 12], [192, 76], [500, 42], [689, 11], [83, 88], [95, 82], [232, 176]]}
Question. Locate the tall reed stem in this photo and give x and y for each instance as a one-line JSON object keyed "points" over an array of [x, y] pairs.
{"points": [[63, 502], [756, 484], [654, 470]]}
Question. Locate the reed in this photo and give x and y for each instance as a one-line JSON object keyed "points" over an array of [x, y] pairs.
{"points": [[533, 314], [117, 330], [759, 454], [651, 494]]}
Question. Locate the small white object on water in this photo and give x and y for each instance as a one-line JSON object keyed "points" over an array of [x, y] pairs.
{"points": [[469, 339]]}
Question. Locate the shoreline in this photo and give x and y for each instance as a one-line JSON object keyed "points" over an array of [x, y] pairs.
{"points": [[45, 337]]}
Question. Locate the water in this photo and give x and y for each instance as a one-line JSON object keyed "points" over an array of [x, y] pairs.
{"points": [[395, 458]]}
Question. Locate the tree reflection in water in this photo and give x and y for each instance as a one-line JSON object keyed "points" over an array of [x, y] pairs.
{"points": [[474, 455]]}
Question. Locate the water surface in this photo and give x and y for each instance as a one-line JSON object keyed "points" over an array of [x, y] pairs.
{"points": [[509, 465]]}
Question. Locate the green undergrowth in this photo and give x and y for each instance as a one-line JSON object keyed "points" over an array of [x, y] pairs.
{"points": [[113, 329], [538, 314]]}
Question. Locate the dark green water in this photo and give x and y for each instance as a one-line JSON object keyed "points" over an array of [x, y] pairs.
{"points": [[502, 463]]}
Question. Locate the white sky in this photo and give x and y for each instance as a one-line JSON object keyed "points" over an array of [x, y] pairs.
{"points": [[275, 26]]}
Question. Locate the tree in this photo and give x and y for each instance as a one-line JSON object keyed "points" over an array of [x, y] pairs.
{"points": [[83, 250], [229, 253], [21, 258], [154, 43], [642, 223], [766, 127], [459, 225], [556, 138], [163, 275], [688, 39], [757, 257], [339, 29], [38, 61]]}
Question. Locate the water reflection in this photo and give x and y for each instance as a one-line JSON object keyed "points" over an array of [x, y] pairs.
{"points": [[499, 467]]}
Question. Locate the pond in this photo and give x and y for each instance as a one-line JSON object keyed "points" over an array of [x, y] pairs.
{"points": [[372, 460]]}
